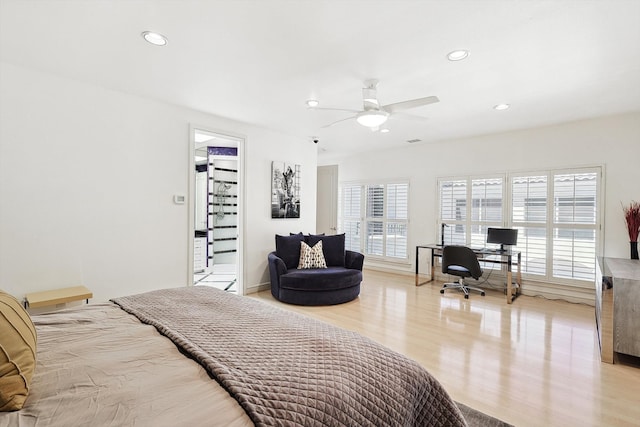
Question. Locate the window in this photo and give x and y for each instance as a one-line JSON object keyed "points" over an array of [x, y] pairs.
{"points": [[453, 210], [574, 225], [397, 210], [555, 212], [486, 207], [384, 215], [351, 217], [468, 207], [529, 216]]}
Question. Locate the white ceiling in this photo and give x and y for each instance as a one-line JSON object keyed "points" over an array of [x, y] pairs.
{"points": [[258, 61]]}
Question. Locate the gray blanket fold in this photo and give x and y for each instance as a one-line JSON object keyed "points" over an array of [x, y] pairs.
{"points": [[289, 370]]}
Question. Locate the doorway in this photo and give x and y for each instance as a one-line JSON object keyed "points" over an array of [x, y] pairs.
{"points": [[327, 200], [217, 211]]}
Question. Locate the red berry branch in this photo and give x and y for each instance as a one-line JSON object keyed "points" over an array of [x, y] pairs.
{"points": [[632, 218]]}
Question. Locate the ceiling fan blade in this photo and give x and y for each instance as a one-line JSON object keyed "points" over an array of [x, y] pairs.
{"points": [[338, 121], [405, 105], [411, 117], [333, 109]]}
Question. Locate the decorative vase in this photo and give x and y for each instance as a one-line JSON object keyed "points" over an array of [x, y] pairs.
{"points": [[634, 250]]}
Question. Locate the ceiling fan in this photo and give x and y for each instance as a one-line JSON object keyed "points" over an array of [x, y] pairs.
{"points": [[373, 114]]}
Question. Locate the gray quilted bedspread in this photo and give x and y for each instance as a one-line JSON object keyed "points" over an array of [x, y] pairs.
{"points": [[289, 370]]}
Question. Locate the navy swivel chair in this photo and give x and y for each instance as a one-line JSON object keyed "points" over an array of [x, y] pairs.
{"points": [[460, 261]]}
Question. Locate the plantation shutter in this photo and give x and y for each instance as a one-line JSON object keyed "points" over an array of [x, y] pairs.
{"points": [[486, 208], [350, 210], [453, 210], [574, 225], [374, 220], [555, 212], [529, 216], [397, 217]]}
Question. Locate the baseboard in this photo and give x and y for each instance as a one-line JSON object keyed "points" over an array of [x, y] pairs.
{"points": [[565, 293], [390, 269], [257, 288], [573, 294]]}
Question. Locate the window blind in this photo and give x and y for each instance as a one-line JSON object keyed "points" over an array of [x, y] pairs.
{"points": [[350, 216], [555, 212], [384, 213], [574, 225], [529, 216], [486, 208]]}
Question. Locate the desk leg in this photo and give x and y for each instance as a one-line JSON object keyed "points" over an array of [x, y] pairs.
{"points": [[511, 295], [519, 274], [433, 263], [417, 269]]}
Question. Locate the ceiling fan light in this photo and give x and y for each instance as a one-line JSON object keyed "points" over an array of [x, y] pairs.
{"points": [[312, 103], [372, 118]]}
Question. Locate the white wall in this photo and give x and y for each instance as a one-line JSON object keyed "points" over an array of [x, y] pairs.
{"points": [[610, 141], [87, 177]]}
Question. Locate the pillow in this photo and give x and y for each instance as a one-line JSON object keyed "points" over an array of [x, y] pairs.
{"points": [[17, 353], [311, 257], [306, 238], [332, 246], [288, 249]]}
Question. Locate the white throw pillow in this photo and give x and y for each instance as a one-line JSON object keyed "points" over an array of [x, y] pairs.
{"points": [[311, 257]]}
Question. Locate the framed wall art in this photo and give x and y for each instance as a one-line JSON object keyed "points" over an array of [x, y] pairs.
{"points": [[285, 190]]}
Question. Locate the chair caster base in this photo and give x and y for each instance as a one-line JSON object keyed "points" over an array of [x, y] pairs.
{"points": [[442, 291], [481, 294], [466, 297]]}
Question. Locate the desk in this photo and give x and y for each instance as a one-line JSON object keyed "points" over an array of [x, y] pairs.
{"points": [[484, 255]]}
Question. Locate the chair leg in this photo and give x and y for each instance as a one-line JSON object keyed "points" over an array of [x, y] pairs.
{"points": [[461, 286], [468, 288]]}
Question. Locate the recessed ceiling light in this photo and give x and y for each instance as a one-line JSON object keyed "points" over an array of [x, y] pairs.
{"points": [[384, 130], [501, 107], [313, 103], [154, 38], [457, 55]]}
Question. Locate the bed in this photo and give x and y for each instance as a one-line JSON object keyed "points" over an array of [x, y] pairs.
{"points": [[198, 356]]}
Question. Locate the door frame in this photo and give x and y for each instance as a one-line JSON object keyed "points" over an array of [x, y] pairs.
{"points": [[241, 139]]}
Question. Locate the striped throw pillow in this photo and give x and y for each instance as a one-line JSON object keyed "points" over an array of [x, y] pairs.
{"points": [[311, 257]]}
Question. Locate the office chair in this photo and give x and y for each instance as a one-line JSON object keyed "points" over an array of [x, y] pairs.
{"points": [[460, 261]]}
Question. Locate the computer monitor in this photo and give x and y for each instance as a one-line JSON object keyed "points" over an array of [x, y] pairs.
{"points": [[502, 236]]}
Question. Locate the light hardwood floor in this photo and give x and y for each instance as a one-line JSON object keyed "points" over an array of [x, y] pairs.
{"points": [[532, 363]]}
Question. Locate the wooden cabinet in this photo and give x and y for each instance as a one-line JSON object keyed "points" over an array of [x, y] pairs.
{"points": [[618, 307]]}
